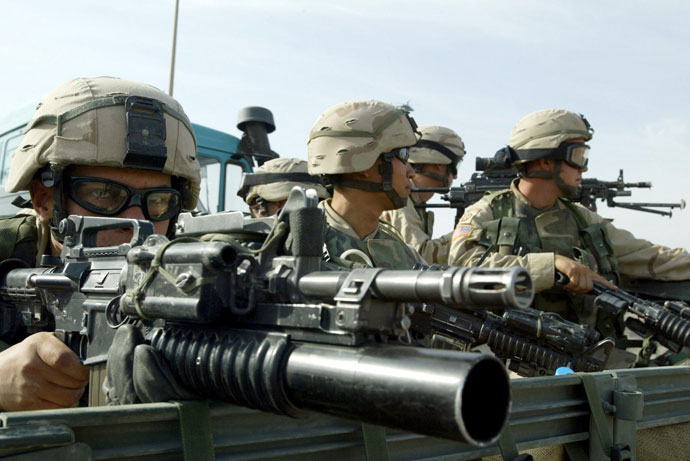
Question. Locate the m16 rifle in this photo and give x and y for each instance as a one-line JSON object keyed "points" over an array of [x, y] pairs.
{"points": [[494, 176], [667, 322], [263, 329], [535, 343]]}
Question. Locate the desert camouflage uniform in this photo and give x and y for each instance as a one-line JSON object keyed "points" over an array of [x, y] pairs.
{"points": [[416, 228], [544, 233], [384, 247]]}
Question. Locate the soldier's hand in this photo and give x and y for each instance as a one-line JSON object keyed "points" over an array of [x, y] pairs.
{"points": [[41, 372], [581, 277], [137, 373]]}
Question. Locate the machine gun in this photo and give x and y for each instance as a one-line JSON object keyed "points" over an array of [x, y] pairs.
{"points": [[263, 330], [591, 190], [494, 176]]}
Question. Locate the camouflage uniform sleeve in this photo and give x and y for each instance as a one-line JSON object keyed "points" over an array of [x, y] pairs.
{"points": [[641, 259], [409, 224], [465, 249]]}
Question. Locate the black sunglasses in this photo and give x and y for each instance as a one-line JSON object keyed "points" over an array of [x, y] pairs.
{"points": [[401, 153], [109, 198]]}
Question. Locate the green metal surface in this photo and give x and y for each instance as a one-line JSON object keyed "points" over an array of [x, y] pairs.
{"points": [[546, 411]]}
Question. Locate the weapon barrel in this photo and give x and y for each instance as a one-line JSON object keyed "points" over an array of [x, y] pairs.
{"points": [[457, 286], [450, 394]]}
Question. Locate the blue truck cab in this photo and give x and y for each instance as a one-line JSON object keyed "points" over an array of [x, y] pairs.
{"points": [[223, 157]]}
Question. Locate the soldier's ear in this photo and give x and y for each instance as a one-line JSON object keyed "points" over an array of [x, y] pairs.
{"points": [[42, 199]]}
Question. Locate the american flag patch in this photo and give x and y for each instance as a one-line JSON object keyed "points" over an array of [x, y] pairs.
{"points": [[462, 231]]}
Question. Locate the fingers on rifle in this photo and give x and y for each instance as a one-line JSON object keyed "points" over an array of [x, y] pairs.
{"points": [[62, 361], [606, 283], [60, 396]]}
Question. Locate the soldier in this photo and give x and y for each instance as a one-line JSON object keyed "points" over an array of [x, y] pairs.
{"points": [[535, 225], [267, 189], [361, 148], [435, 160], [95, 147]]}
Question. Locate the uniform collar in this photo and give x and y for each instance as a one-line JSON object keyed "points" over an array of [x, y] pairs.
{"points": [[523, 207], [334, 220]]}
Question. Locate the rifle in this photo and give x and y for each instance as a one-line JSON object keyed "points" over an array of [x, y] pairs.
{"points": [[667, 323], [255, 328], [535, 343], [494, 176], [591, 190]]}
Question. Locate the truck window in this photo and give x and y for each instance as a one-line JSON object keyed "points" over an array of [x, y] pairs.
{"points": [[210, 176], [233, 176], [8, 149]]}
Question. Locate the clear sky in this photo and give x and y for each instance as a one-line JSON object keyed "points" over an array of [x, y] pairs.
{"points": [[474, 66]]}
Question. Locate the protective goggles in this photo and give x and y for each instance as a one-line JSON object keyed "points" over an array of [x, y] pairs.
{"points": [[258, 208], [574, 154], [109, 198], [401, 153]]}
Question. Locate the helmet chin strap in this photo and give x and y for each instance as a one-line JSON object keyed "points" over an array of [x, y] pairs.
{"points": [[386, 184], [52, 177], [567, 190]]}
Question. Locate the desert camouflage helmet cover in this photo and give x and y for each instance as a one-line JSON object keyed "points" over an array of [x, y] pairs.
{"points": [[350, 136], [280, 190], [547, 129], [444, 136], [83, 122]]}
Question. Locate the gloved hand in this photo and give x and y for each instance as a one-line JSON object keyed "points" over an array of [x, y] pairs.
{"points": [[136, 373]]}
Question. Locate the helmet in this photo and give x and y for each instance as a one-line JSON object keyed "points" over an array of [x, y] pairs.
{"points": [[540, 134], [547, 134], [274, 180], [438, 145], [108, 121], [349, 137]]}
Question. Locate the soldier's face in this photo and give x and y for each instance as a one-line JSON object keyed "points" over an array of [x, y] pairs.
{"points": [[402, 173], [572, 176], [137, 179]]}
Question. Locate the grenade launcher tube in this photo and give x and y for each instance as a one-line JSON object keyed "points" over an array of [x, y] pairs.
{"points": [[441, 393]]}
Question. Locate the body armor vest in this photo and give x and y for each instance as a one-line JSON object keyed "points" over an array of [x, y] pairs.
{"points": [[518, 229]]}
